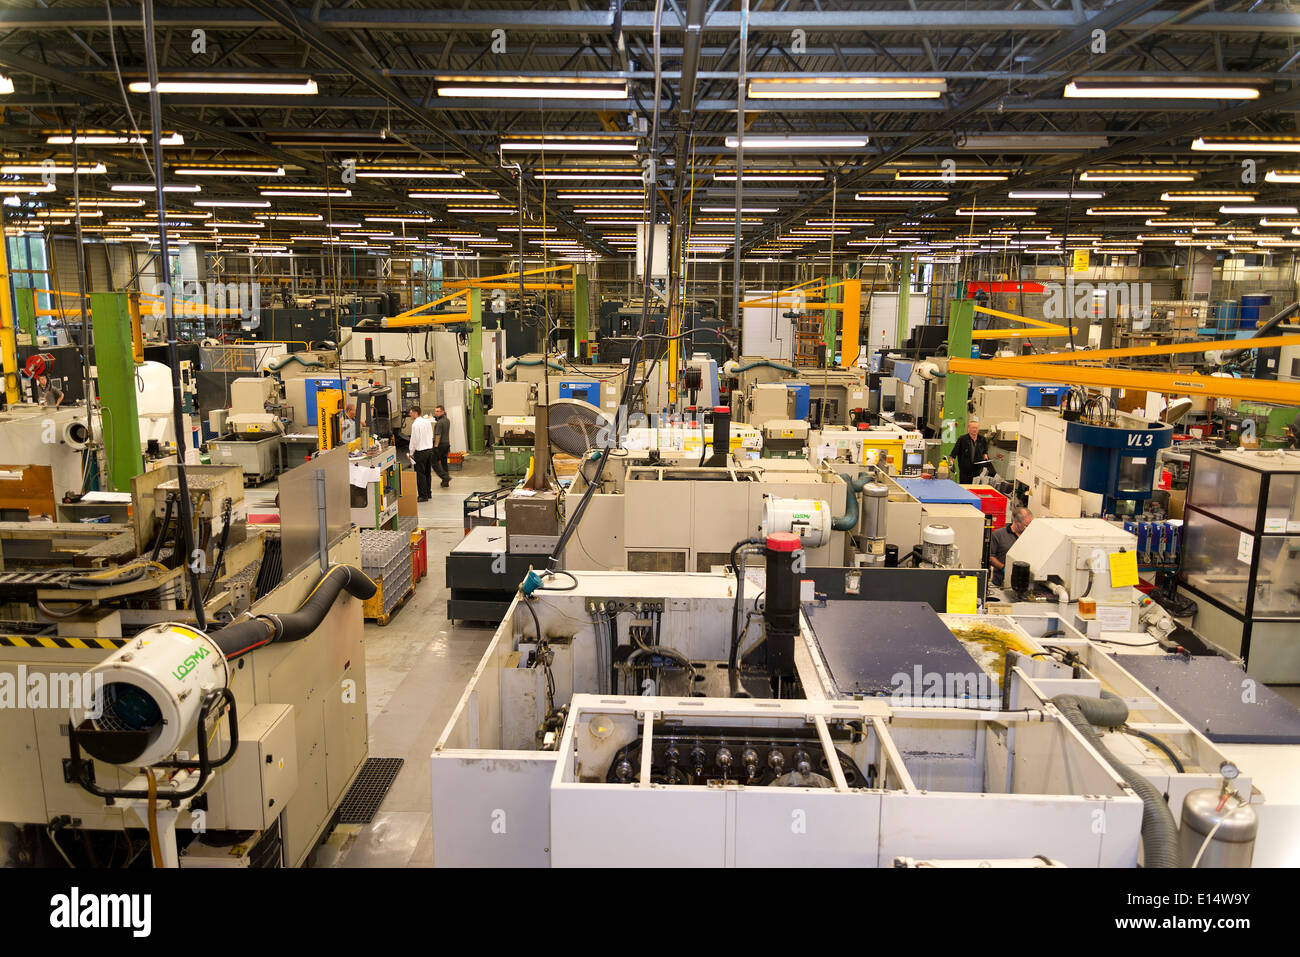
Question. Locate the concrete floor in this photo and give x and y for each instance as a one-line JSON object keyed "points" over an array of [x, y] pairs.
{"points": [[416, 667]]}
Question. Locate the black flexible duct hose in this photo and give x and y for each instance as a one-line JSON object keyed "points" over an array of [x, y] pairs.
{"points": [[243, 636], [1160, 847], [738, 564]]}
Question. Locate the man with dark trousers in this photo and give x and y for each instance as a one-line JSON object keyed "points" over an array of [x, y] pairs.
{"points": [[420, 451], [441, 444], [971, 453]]}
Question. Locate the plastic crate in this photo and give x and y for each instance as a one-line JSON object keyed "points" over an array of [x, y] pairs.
{"points": [[992, 502], [419, 554]]}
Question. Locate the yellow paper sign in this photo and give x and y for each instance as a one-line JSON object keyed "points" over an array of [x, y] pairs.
{"points": [[1081, 260], [963, 594], [1123, 569]]}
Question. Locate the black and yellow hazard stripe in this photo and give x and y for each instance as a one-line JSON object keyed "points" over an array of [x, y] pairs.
{"points": [[33, 641]]}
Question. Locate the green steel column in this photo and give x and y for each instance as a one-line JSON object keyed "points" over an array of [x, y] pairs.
{"points": [[581, 305], [829, 319], [474, 414], [904, 298], [961, 321], [110, 316], [26, 301]]}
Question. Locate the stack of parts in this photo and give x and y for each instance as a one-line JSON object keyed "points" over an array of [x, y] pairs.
{"points": [[386, 558]]}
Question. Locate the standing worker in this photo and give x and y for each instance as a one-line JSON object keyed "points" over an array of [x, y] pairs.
{"points": [[1004, 538], [441, 444], [971, 453], [420, 452]]}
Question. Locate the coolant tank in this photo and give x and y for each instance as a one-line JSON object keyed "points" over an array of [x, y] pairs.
{"points": [[1233, 844], [808, 518]]}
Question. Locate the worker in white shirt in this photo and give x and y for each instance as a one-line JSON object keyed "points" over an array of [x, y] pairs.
{"points": [[420, 451]]}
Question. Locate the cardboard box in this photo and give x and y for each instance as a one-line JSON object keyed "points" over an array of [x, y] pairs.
{"points": [[406, 502]]}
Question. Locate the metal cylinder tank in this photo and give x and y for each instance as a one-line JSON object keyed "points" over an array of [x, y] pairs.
{"points": [[871, 527], [1233, 843]]}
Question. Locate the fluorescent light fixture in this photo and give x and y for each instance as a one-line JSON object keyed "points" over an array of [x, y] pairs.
{"points": [[1282, 176], [1127, 211], [527, 229], [997, 211], [743, 209], [1054, 194], [1139, 174], [236, 87], [586, 175], [111, 201], [151, 188], [1257, 209], [902, 196], [395, 171], [911, 175], [847, 88], [1247, 144], [760, 141], [233, 203], [290, 217], [399, 219], [483, 210], [234, 224], [1177, 223], [533, 87], [1204, 196], [569, 143], [36, 169], [1159, 88], [1013, 142], [1266, 221], [25, 186], [110, 138], [6, 85], [230, 169], [840, 221], [314, 192], [465, 195], [770, 175]]}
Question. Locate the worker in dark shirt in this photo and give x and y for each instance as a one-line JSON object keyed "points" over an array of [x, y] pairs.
{"points": [[1003, 538], [441, 444], [971, 453]]}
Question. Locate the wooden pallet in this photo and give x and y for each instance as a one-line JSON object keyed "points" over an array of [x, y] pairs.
{"points": [[383, 618]]}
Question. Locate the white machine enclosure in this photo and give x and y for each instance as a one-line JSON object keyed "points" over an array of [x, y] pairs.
{"points": [[952, 783], [955, 782], [1076, 550]]}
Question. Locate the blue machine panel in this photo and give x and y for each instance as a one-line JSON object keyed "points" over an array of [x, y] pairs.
{"points": [[313, 385], [802, 395], [1207, 692], [1038, 395], [586, 391], [938, 492]]}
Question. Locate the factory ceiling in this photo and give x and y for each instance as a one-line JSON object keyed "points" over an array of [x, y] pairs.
{"points": [[862, 127]]}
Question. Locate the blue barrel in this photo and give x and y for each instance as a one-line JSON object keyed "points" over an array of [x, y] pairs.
{"points": [[1253, 309]]}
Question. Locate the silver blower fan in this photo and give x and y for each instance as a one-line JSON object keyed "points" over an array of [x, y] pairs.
{"points": [[575, 427]]}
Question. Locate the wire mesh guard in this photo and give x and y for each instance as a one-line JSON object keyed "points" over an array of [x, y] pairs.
{"points": [[368, 791], [575, 426]]}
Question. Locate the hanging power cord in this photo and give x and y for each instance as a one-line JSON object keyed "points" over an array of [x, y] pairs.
{"points": [[615, 440]]}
